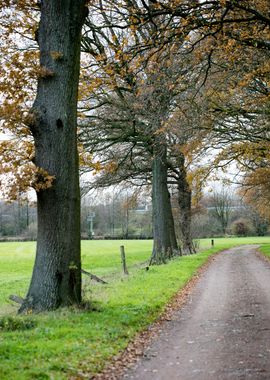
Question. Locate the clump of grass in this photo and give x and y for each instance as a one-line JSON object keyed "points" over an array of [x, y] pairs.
{"points": [[10, 323]]}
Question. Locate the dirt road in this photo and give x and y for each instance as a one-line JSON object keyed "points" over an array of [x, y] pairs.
{"points": [[223, 332]]}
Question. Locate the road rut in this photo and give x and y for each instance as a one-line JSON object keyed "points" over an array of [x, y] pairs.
{"points": [[223, 331]]}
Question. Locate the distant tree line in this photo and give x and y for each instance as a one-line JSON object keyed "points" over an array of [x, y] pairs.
{"points": [[123, 214]]}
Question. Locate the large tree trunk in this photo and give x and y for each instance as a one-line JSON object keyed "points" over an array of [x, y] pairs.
{"points": [[164, 244], [56, 279], [184, 203]]}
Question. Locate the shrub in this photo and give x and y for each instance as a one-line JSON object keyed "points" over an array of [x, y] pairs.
{"points": [[241, 227], [16, 323]]}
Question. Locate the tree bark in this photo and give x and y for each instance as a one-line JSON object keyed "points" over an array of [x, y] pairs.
{"points": [[56, 278], [184, 203], [164, 239]]}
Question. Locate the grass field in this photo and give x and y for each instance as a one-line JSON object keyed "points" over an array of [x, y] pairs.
{"points": [[72, 342]]}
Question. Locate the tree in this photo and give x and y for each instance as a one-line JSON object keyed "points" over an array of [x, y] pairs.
{"points": [[138, 89], [56, 279], [260, 224], [234, 37], [165, 244], [138, 92], [222, 207], [130, 202], [184, 199], [255, 183], [243, 21]]}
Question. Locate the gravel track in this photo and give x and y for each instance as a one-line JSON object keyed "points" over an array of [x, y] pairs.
{"points": [[222, 332]]}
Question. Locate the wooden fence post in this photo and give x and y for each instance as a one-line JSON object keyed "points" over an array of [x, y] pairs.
{"points": [[123, 258]]}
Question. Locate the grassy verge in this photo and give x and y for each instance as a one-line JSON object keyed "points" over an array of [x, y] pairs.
{"points": [[265, 249], [72, 342]]}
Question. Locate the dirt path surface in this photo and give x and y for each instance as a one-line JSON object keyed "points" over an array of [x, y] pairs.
{"points": [[223, 332]]}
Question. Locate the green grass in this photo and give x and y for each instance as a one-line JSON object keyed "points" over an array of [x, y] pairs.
{"points": [[265, 249], [65, 343]]}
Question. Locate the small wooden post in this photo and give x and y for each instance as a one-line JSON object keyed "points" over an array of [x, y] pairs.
{"points": [[212, 243], [123, 258]]}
